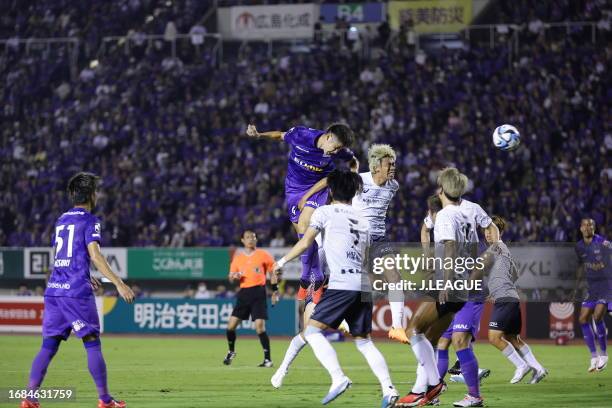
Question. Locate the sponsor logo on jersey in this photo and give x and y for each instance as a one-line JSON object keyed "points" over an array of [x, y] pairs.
{"points": [[307, 165], [56, 285], [61, 263]]}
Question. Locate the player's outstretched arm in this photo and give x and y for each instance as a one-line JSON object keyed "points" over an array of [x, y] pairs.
{"points": [[299, 248], [425, 236], [100, 262], [492, 228], [274, 135], [579, 278], [488, 259], [320, 185]]}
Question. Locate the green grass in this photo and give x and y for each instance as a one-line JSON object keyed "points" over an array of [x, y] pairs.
{"points": [[156, 372]]}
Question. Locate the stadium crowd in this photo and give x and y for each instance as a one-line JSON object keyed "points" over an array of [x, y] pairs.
{"points": [[167, 135]]}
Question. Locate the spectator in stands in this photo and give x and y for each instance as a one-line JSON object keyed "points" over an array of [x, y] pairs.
{"points": [[203, 292], [23, 291]]}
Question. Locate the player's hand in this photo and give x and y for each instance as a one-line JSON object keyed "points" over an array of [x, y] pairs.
{"points": [[235, 275], [95, 283], [275, 297], [398, 334], [125, 292], [276, 268], [443, 297], [252, 131]]}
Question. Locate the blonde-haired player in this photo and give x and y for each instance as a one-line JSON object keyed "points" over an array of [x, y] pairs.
{"points": [[452, 234], [379, 187]]}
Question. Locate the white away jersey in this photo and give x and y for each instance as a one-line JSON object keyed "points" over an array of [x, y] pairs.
{"points": [[451, 225], [475, 217], [373, 202], [346, 237]]}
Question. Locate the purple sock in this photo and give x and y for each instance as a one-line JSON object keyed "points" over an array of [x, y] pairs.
{"points": [[469, 369], [587, 332], [41, 363], [602, 337], [442, 362], [310, 263], [97, 368]]}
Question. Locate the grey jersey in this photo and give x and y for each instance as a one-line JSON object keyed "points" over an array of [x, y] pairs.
{"points": [[503, 273]]}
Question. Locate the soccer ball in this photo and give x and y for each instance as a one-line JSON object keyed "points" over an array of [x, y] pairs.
{"points": [[506, 137]]}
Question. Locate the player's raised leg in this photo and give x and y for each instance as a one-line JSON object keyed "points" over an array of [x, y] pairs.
{"points": [[311, 269]]}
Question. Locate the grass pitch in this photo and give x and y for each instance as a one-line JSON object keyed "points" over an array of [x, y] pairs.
{"points": [[156, 372]]}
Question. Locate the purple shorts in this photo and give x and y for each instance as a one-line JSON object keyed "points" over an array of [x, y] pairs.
{"points": [[65, 314], [466, 320], [315, 201], [590, 304]]}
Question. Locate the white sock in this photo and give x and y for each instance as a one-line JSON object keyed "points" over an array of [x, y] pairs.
{"points": [[377, 364], [420, 384], [296, 345], [514, 357], [326, 355], [530, 358], [396, 302], [424, 352]]}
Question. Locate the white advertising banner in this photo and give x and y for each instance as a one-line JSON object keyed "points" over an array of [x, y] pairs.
{"points": [[539, 266], [545, 266], [38, 261], [116, 258], [269, 22], [292, 270]]}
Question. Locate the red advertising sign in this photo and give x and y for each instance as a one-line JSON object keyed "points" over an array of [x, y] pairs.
{"points": [[21, 314], [381, 318]]}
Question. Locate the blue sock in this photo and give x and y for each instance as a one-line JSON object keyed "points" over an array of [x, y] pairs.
{"points": [[602, 337], [587, 333], [442, 362], [97, 368], [469, 369], [311, 269], [41, 362]]}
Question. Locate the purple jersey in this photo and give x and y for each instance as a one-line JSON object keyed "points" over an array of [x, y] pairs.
{"points": [[307, 163], [595, 258], [74, 230]]}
